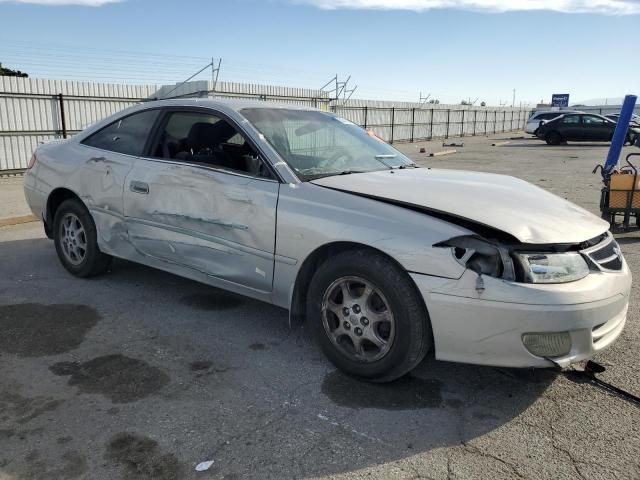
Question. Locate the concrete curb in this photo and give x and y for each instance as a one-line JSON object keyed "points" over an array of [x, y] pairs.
{"points": [[6, 222], [443, 152]]}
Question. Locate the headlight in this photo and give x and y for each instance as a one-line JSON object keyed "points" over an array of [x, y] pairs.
{"points": [[552, 267]]}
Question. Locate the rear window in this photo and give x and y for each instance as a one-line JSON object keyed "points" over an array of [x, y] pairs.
{"points": [[127, 135]]}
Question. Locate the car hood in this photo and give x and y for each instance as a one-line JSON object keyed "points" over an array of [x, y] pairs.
{"points": [[526, 212]]}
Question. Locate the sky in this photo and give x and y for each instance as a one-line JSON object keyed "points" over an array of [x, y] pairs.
{"points": [[452, 50]]}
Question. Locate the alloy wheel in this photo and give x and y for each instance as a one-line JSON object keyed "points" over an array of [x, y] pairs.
{"points": [[73, 239], [358, 319]]}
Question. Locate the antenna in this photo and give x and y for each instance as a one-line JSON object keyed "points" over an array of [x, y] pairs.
{"points": [[215, 71], [423, 100], [350, 92], [340, 89]]}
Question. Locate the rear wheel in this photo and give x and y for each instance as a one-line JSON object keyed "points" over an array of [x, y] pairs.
{"points": [[367, 316], [76, 242], [553, 138]]}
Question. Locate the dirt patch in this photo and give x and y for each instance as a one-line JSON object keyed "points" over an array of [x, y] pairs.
{"points": [[120, 378], [406, 393], [213, 300], [35, 330], [24, 409], [73, 465], [142, 458], [257, 346]]}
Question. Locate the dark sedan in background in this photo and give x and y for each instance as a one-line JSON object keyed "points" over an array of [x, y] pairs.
{"points": [[582, 127]]}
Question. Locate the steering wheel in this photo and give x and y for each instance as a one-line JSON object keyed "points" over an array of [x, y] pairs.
{"points": [[340, 154]]}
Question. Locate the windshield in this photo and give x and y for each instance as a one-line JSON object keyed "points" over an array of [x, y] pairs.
{"points": [[318, 144]]}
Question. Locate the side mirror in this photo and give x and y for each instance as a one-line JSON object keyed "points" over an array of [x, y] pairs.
{"points": [[541, 123]]}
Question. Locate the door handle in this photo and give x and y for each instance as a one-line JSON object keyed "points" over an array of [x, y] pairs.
{"points": [[139, 187]]}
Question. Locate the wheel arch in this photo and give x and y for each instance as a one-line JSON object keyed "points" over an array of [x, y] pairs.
{"points": [[54, 200], [297, 307]]}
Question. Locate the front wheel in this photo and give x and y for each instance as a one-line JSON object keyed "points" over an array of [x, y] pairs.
{"points": [[367, 316], [76, 242], [553, 138]]}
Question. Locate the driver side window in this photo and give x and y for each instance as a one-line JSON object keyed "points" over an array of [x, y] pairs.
{"points": [[203, 139]]}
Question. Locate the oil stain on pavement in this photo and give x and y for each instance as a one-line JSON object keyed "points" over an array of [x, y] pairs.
{"points": [[406, 393], [213, 300], [36, 330], [122, 379], [142, 458]]}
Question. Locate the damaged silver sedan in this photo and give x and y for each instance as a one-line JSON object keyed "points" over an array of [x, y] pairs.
{"points": [[298, 207]]}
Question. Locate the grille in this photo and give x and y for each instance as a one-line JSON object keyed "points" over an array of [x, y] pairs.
{"points": [[606, 255]]}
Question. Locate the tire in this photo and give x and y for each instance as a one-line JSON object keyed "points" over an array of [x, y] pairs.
{"points": [[405, 336], [75, 238], [553, 138]]}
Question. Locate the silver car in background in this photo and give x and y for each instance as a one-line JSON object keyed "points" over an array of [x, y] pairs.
{"points": [[300, 208]]}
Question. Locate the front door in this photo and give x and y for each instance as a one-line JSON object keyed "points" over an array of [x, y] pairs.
{"points": [[570, 127], [597, 129], [204, 199]]}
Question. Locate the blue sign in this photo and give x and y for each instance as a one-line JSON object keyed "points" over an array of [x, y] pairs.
{"points": [[560, 100]]}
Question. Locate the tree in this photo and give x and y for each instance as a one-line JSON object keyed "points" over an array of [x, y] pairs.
{"points": [[7, 72], [434, 101], [483, 104]]}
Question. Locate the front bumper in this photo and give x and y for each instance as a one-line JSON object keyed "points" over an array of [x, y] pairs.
{"points": [[486, 328]]}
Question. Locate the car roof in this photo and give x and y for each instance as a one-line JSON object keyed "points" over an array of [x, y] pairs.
{"points": [[235, 104], [559, 112]]}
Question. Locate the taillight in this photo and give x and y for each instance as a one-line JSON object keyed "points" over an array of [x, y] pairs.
{"points": [[32, 162]]}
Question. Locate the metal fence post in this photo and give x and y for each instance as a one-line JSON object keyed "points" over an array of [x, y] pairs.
{"points": [[366, 110], [446, 135], [63, 120], [393, 121], [512, 120], [462, 125], [495, 121], [504, 120], [413, 122], [431, 125], [475, 119], [486, 118]]}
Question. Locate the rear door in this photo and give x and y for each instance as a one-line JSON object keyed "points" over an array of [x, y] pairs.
{"points": [[203, 198]]}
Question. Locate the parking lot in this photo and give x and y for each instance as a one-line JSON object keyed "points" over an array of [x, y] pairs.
{"points": [[139, 374]]}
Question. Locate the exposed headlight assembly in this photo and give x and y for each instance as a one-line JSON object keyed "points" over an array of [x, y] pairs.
{"points": [[481, 256], [552, 267], [496, 260]]}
